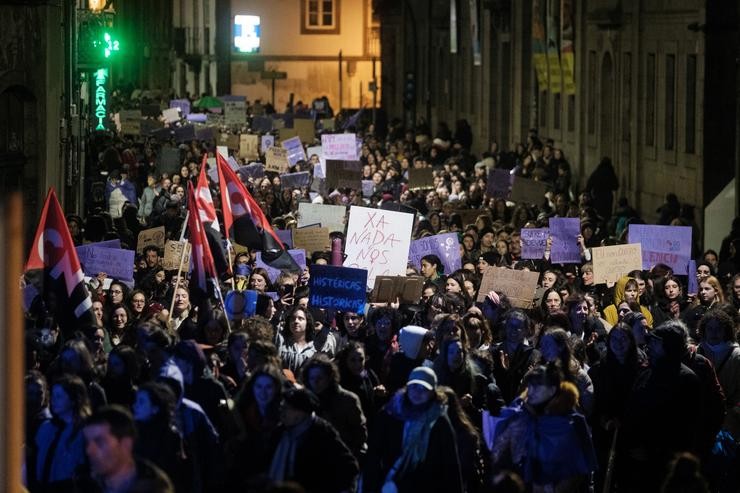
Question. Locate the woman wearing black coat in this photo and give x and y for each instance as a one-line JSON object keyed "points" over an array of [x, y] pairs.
{"points": [[413, 443]]}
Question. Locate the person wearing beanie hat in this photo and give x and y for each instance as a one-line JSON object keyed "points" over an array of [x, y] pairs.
{"points": [[413, 444], [305, 443], [486, 260], [487, 240]]}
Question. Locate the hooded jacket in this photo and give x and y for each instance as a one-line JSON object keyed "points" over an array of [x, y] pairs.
{"points": [[610, 312]]}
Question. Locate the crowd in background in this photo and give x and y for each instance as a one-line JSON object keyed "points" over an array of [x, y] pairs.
{"points": [[636, 385]]}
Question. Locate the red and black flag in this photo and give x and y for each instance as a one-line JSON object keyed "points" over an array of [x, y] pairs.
{"points": [[53, 252], [207, 215], [203, 267], [246, 224]]}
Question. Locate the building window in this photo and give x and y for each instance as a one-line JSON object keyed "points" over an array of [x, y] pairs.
{"points": [[571, 113], [320, 16], [557, 112], [691, 104], [670, 102], [650, 100], [626, 96], [591, 92]]}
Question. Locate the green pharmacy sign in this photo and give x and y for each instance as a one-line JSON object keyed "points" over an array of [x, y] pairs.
{"points": [[101, 98]]}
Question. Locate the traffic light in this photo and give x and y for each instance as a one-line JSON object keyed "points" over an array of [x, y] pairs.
{"points": [[409, 91]]}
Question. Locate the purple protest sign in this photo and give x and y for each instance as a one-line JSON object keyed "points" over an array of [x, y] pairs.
{"points": [[670, 245], [534, 242], [183, 104], [117, 263], [295, 150], [499, 183], [286, 236], [564, 232], [299, 255], [693, 281], [341, 147], [445, 246]]}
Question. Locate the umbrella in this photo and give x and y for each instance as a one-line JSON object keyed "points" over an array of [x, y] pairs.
{"points": [[209, 102]]}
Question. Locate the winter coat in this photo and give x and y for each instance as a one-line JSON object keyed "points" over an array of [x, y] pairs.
{"points": [[67, 457], [342, 409]]}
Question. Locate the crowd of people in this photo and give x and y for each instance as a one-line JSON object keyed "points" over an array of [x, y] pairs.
{"points": [[635, 386]]}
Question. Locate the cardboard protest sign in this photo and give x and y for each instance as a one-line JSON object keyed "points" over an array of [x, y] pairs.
{"points": [[295, 150], [314, 239], [205, 133], [445, 246], [421, 178], [499, 183], [534, 242], [173, 251], [277, 160], [343, 174], [261, 124], [253, 170], [151, 236], [295, 180], [285, 133], [518, 285], [670, 245], [117, 263], [130, 122], [327, 124], [378, 241], [286, 237], [613, 262], [298, 255], [230, 141], [319, 170], [388, 289], [329, 216], [171, 115], [235, 112], [338, 288], [169, 160], [564, 232], [266, 141], [529, 191], [249, 146], [305, 129], [341, 147]]}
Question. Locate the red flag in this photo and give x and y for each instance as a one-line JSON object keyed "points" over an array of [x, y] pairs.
{"points": [[203, 266], [53, 251], [207, 216], [246, 223]]}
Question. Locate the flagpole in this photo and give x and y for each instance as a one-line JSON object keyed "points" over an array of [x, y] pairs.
{"points": [[179, 268]]}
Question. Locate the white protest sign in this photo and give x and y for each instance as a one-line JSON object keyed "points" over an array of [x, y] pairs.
{"points": [[341, 147], [329, 216], [378, 241], [171, 115], [319, 170], [613, 262], [266, 142]]}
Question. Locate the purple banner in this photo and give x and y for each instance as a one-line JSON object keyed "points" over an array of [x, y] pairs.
{"points": [[499, 183], [299, 255], [445, 246], [295, 180], [115, 262], [564, 232], [342, 147], [670, 245], [534, 242]]}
